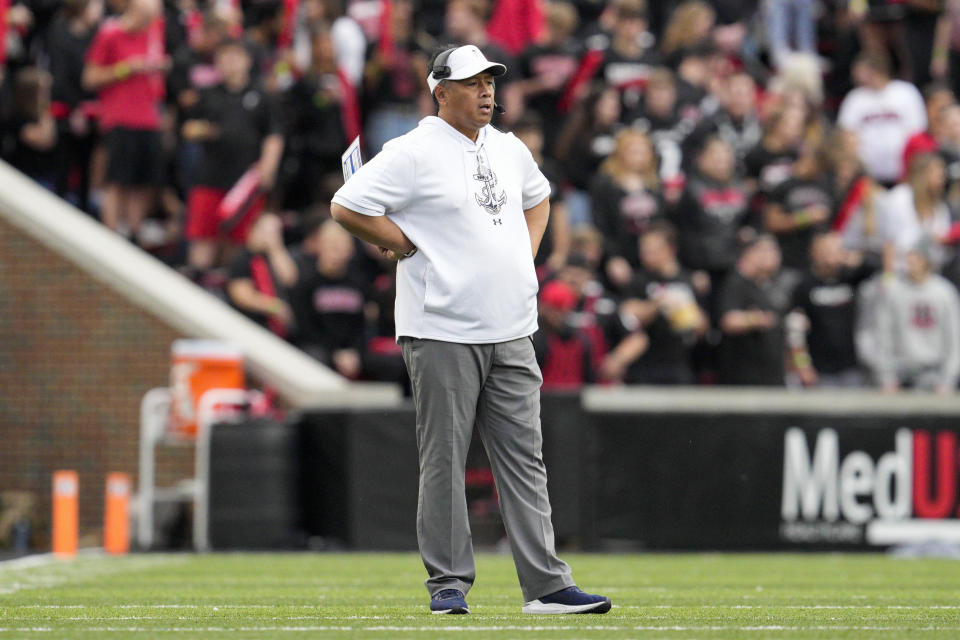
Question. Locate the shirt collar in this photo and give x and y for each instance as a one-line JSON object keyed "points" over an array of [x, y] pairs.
{"points": [[447, 128]]}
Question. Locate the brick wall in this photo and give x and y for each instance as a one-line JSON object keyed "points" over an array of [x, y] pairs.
{"points": [[75, 360]]}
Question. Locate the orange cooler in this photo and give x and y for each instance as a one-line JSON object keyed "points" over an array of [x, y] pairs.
{"points": [[198, 366]]}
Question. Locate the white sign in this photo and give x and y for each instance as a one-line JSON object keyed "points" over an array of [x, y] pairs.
{"points": [[351, 159]]}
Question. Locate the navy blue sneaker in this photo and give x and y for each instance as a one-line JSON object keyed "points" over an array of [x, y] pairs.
{"points": [[448, 601], [569, 600]]}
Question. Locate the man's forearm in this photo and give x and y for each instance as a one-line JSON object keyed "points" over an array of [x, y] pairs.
{"points": [[271, 151], [537, 217], [377, 230], [95, 77]]}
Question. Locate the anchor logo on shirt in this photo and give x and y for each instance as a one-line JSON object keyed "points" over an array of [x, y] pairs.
{"points": [[491, 202]]}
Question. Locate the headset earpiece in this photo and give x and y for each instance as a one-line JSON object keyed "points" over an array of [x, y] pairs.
{"points": [[441, 69]]}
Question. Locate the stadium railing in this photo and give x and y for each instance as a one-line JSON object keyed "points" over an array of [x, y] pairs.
{"points": [[300, 381]]}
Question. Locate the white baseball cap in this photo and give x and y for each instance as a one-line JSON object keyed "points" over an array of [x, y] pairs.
{"points": [[464, 62]]}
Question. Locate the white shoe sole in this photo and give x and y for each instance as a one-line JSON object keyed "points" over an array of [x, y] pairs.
{"points": [[536, 607], [449, 611]]}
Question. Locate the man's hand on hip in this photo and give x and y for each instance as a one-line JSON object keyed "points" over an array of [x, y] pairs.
{"points": [[390, 254]]}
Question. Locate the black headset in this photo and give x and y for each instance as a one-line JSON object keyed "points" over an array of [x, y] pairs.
{"points": [[441, 71]]}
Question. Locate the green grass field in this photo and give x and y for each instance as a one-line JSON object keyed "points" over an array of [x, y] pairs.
{"points": [[381, 596]]}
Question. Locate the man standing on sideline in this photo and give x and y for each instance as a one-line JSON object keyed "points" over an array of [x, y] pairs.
{"points": [[466, 208]]}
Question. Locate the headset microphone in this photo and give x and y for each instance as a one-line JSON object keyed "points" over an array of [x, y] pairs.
{"points": [[499, 109]]}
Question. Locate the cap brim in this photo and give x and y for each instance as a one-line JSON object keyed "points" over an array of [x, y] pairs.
{"points": [[481, 66], [493, 68]]}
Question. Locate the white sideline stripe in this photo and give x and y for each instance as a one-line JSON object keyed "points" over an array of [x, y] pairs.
{"points": [[441, 628], [186, 618], [28, 562], [466, 629], [40, 574], [884, 532], [948, 607], [169, 606], [40, 559], [776, 627], [747, 400], [792, 606]]}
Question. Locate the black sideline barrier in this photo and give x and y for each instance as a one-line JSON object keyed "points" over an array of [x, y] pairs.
{"points": [[655, 469], [744, 470], [359, 478], [254, 486]]}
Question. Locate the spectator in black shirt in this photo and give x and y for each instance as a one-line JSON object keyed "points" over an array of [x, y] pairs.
{"points": [[466, 23], [630, 58], [239, 125], [821, 340], [711, 217], [689, 25], [67, 42], [314, 110], [693, 81], [585, 140], [305, 251], [332, 298], [948, 139], [626, 199], [260, 276], [731, 33], [663, 299], [193, 71], [800, 207], [194, 67], [752, 348], [736, 122], [555, 245], [270, 64], [770, 163], [19, 28], [30, 133], [668, 124], [545, 68], [394, 80]]}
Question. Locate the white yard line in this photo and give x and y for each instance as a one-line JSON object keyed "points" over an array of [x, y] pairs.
{"points": [[38, 572], [318, 607], [41, 559], [790, 606], [28, 562], [477, 628]]}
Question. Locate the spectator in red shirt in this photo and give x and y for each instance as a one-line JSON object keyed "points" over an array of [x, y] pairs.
{"points": [[126, 65], [568, 355], [936, 97]]}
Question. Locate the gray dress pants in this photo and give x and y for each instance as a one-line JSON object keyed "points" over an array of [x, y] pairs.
{"points": [[496, 386]]}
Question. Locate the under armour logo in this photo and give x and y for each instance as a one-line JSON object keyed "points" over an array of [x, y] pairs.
{"points": [[497, 221]]}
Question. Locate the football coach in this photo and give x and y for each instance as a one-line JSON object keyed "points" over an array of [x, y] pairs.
{"points": [[463, 207]]}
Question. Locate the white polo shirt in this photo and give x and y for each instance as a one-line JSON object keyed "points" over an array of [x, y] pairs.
{"points": [[883, 120], [461, 203]]}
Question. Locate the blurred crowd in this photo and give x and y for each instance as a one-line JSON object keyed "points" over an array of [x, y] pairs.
{"points": [[748, 192]]}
